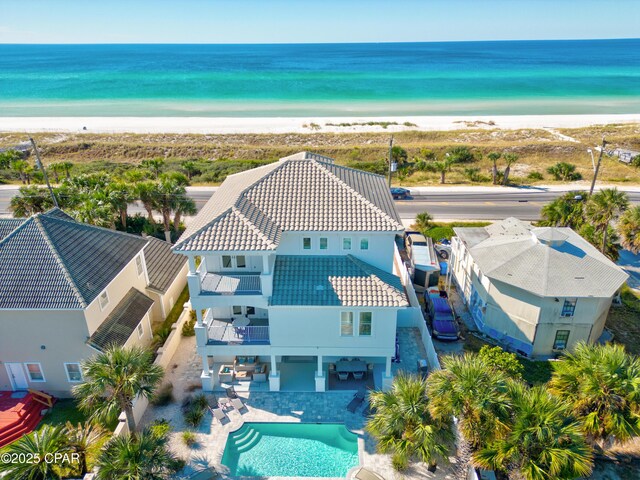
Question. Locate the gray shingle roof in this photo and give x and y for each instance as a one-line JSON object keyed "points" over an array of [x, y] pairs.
{"points": [[303, 192], [334, 281], [8, 225], [122, 321], [163, 266], [52, 261], [550, 261]]}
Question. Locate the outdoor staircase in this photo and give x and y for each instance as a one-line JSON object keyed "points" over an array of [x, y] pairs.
{"points": [[246, 440], [21, 416]]}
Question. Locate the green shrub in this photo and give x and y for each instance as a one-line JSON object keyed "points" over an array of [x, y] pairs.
{"points": [[160, 427], [164, 395], [535, 176], [399, 462], [564, 171], [501, 360], [188, 438], [189, 328], [200, 401], [193, 416]]}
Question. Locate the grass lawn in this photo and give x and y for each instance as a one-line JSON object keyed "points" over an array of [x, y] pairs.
{"points": [[624, 321], [175, 312], [64, 410], [535, 372], [439, 230]]}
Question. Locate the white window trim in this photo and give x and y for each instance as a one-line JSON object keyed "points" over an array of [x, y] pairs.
{"points": [[234, 262], [102, 307], [44, 379], [67, 372], [363, 239], [350, 244], [370, 325], [320, 243], [310, 243], [353, 324]]}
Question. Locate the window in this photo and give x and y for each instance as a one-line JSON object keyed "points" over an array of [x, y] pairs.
{"points": [[139, 265], [140, 329], [35, 372], [241, 261], [237, 310], [562, 337], [226, 261], [569, 307], [104, 300], [74, 374], [251, 310], [364, 325], [324, 242], [346, 324], [306, 243], [346, 243], [364, 244]]}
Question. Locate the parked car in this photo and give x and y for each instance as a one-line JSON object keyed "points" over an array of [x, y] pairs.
{"points": [[443, 322], [399, 193]]}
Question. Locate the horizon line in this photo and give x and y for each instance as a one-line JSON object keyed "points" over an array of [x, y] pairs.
{"points": [[328, 43]]}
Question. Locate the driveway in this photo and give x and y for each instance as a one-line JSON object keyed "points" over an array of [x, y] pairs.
{"points": [[631, 264]]}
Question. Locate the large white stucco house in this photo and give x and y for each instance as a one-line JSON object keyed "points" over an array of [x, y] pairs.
{"points": [[296, 262], [69, 290], [537, 291]]}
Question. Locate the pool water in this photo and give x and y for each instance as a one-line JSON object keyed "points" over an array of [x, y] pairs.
{"points": [[291, 450]]}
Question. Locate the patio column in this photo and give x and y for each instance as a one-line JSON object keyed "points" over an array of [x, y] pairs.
{"points": [[320, 379], [387, 378], [192, 264], [274, 376], [206, 377], [265, 264]]}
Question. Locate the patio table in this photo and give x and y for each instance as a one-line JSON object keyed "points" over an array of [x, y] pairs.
{"points": [[351, 366], [241, 322]]}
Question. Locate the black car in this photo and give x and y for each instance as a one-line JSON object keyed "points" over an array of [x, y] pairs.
{"points": [[399, 193]]}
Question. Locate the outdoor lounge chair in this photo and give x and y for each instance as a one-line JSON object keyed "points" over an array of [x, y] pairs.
{"points": [[366, 474], [343, 375], [238, 404], [219, 414], [356, 401], [358, 375], [231, 393], [368, 410]]}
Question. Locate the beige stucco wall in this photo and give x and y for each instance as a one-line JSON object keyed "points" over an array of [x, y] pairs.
{"points": [[63, 333], [170, 297], [116, 290]]}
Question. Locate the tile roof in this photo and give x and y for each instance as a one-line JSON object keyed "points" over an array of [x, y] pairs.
{"points": [[8, 225], [550, 261], [334, 281], [163, 266], [122, 321], [53, 262], [303, 192]]}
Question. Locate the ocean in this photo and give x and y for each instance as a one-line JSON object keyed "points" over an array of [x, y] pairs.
{"points": [[449, 78]]}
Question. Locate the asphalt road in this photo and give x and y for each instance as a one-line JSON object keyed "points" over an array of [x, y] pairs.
{"points": [[525, 205]]}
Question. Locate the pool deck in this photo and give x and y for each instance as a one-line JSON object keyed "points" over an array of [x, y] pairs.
{"points": [[280, 407]]}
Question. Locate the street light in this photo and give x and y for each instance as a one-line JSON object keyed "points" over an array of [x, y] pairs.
{"points": [[593, 160], [595, 171]]}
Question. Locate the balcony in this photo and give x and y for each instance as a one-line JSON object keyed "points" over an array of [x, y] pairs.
{"points": [[222, 332], [235, 284]]}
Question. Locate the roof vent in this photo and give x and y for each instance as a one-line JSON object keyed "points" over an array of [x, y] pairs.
{"points": [[550, 236]]}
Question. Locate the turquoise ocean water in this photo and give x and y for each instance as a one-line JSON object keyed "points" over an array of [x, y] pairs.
{"points": [[492, 78]]}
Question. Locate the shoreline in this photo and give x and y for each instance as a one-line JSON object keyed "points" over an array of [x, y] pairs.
{"points": [[281, 125]]}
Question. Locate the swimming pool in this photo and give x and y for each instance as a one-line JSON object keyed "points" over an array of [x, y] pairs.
{"points": [[291, 450]]}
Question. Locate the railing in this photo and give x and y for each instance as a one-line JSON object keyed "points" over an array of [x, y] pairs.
{"points": [[216, 284], [222, 334]]}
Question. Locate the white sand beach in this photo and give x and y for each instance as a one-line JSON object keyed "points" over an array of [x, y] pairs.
{"points": [[222, 125]]}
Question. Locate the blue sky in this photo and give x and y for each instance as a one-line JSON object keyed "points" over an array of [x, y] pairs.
{"points": [[289, 21]]}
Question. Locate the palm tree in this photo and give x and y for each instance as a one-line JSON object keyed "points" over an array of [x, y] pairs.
{"points": [[183, 205], [80, 439], [190, 167], [494, 157], [9, 156], [95, 210], [629, 228], [594, 236], [564, 171], [565, 211], [474, 392], [155, 165], [171, 196], [66, 166], [147, 192], [423, 221], [22, 167], [142, 456], [114, 378], [120, 194], [461, 154], [543, 442], [403, 425], [29, 201], [38, 446], [509, 158], [600, 384], [604, 207], [442, 166]]}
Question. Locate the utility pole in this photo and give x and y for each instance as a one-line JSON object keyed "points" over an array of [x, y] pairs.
{"points": [[44, 172], [595, 173], [390, 158]]}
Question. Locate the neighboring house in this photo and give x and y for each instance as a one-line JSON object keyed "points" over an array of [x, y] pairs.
{"points": [[537, 291], [296, 262], [68, 290]]}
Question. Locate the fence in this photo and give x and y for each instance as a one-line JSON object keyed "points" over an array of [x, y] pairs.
{"points": [[413, 316]]}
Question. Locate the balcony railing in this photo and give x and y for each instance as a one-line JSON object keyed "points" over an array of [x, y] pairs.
{"points": [[216, 284], [228, 334]]}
